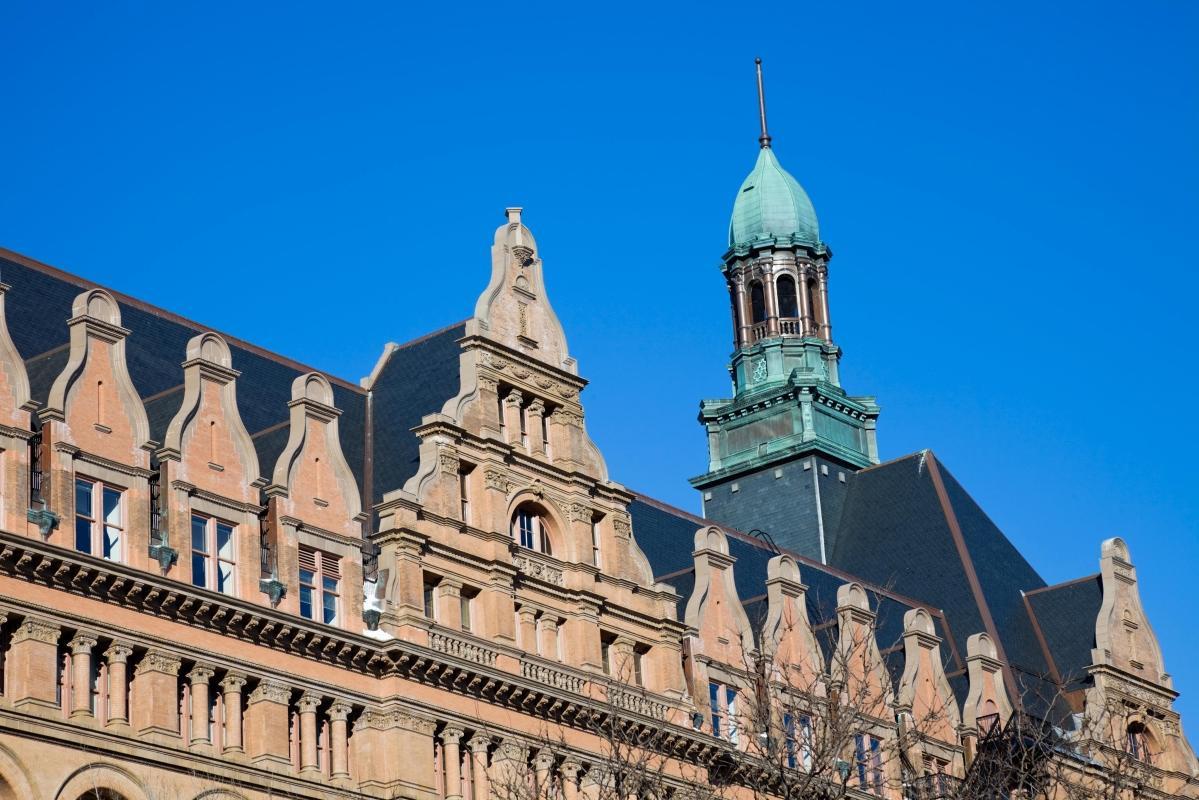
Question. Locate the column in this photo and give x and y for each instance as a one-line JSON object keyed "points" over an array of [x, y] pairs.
{"points": [[547, 637], [512, 412], [308, 704], [232, 686], [570, 770], [826, 324], [805, 308], [533, 417], [31, 667], [339, 753], [743, 311], [197, 680], [771, 298], [451, 735], [543, 766], [477, 745], [527, 620], [393, 752], [156, 694], [81, 675], [266, 734], [595, 782], [118, 683], [449, 603], [507, 776]]}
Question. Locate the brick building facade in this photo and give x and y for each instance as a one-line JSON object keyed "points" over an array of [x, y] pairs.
{"points": [[224, 575]]}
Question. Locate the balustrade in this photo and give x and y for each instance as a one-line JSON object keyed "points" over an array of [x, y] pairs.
{"points": [[461, 647]]}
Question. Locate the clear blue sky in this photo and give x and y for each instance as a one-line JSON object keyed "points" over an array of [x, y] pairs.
{"points": [[1011, 191]]}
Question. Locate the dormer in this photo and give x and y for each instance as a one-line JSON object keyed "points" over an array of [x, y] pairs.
{"points": [[314, 517], [987, 707], [926, 704], [16, 431], [96, 440], [209, 481]]}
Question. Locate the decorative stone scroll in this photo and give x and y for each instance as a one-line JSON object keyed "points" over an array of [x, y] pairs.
{"points": [[528, 565]]}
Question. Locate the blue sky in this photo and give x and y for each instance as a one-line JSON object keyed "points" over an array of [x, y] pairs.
{"points": [[1010, 191]]}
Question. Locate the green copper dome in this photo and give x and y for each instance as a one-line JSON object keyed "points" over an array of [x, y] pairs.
{"points": [[772, 205]]}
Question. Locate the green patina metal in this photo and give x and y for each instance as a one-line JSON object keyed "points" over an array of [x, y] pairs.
{"points": [[772, 205]]}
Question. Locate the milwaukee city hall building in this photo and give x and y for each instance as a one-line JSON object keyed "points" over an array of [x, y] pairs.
{"points": [[226, 576]]}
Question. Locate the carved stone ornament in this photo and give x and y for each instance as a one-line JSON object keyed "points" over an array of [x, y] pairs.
{"points": [[82, 643], [158, 661], [623, 527], [308, 703], [392, 719], [448, 461], [581, 512], [339, 711], [201, 673], [270, 692], [494, 479], [233, 683], [488, 384], [564, 417], [118, 653], [510, 750], [514, 398], [536, 568], [452, 734], [37, 630]]}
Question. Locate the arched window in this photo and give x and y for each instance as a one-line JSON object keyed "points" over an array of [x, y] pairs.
{"points": [[529, 529], [788, 300], [1138, 744], [757, 302]]}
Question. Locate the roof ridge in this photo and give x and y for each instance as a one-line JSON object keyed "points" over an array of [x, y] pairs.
{"points": [[1063, 584]]}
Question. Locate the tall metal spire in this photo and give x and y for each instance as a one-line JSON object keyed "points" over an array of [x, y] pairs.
{"points": [[764, 139]]}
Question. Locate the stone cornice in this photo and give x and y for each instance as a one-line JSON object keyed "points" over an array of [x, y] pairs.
{"points": [[99, 461], [490, 347]]}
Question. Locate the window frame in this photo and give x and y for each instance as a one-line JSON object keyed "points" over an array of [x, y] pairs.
{"points": [[537, 539], [212, 553], [326, 568], [97, 519]]}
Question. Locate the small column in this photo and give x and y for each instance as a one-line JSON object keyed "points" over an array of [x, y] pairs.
{"points": [[547, 638], [449, 602], [570, 770], [534, 415], [805, 308], [339, 751], [512, 412], [772, 304], [232, 686], [308, 704], [477, 745], [267, 723], [118, 683], [31, 667], [543, 766], [156, 695], [527, 619], [451, 735], [197, 681], [826, 324], [81, 675], [743, 311]]}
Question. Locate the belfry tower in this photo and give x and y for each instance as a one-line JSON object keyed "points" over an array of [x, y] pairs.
{"points": [[782, 450]]}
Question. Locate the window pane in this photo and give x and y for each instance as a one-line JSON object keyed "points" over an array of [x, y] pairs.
{"points": [[307, 577], [83, 498], [330, 584], [224, 577], [112, 544], [306, 601], [112, 506], [465, 612], [224, 541], [199, 526], [199, 573], [83, 535], [330, 608]]}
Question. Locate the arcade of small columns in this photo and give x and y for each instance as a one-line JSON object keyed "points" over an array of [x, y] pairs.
{"points": [[806, 296]]}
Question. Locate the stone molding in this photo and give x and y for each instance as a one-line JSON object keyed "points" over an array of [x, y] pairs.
{"points": [[394, 719], [268, 691], [118, 653], [82, 643], [158, 661], [308, 703], [37, 630]]}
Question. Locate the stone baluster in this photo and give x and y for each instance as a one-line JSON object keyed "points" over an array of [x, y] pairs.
{"points": [[117, 656], [197, 681], [231, 687], [81, 645], [451, 736], [339, 713], [477, 745], [309, 759]]}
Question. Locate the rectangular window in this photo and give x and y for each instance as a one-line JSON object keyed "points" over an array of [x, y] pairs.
{"points": [[467, 600], [545, 433], [320, 576], [464, 493], [430, 597], [867, 751], [526, 529], [637, 675], [595, 544], [606, 652], [214, 554], [99, 519], [716, 706]]}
